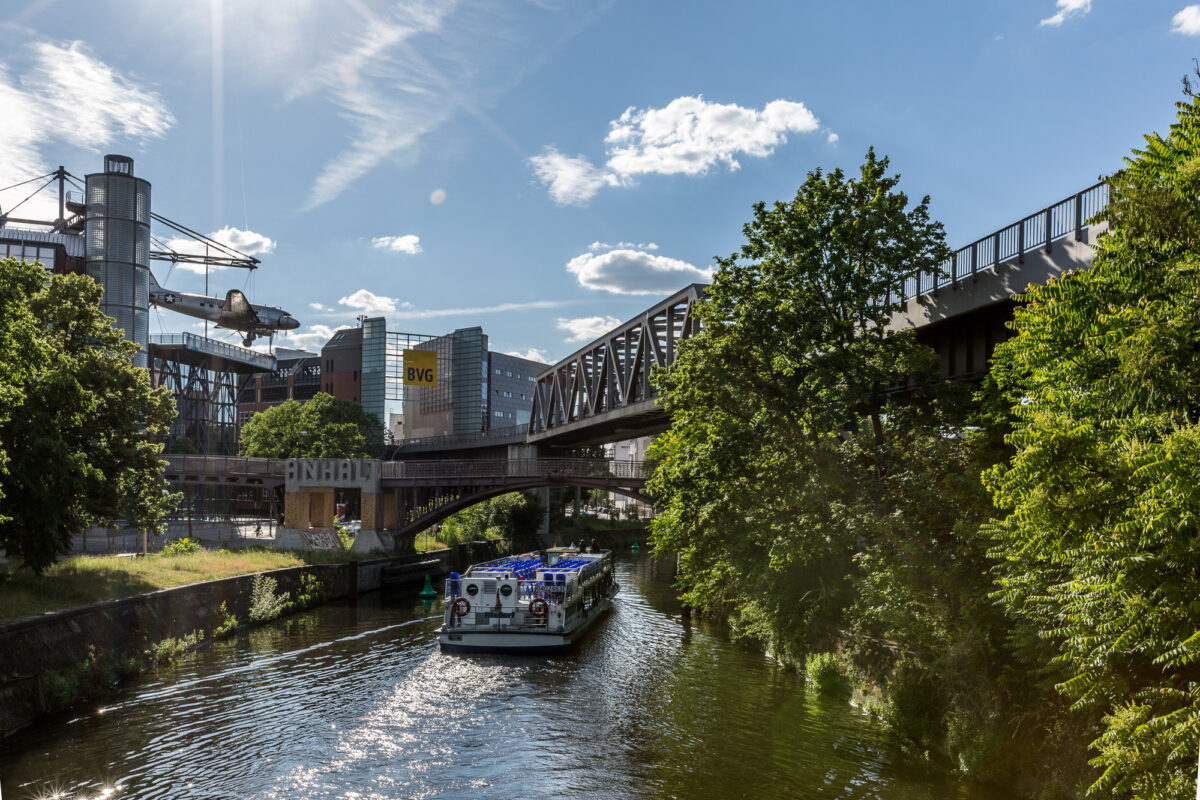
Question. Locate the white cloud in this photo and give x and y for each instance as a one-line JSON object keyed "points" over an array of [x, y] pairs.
{"points": [[1187, 21], [689, 136], [573, 181], [313, 338], [635, 272], [1066, 10], [409, 69], [437, 197], [408, 243], [585, 329], [369, 303], [316, 306], [832, 138], [532, 354], [249, 242], [594, 246], [67, 95], [499, 308]]}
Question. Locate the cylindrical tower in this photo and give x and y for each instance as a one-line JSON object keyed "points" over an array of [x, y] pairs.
{"points": [[118, 247]]}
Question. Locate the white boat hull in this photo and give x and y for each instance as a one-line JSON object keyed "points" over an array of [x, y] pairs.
{"points": [[508, 640]]}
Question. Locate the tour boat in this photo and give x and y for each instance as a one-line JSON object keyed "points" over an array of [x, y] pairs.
{"points": [[540, 602]]}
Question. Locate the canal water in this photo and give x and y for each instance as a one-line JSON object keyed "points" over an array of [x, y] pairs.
{"points": [[356, 702]]}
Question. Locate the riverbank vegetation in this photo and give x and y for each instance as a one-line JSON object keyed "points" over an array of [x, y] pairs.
{"points": [[91, 579], [77, 420], [1007, 572]]}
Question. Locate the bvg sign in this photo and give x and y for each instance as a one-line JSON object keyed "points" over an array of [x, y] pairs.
{"points": [[420, 368]]}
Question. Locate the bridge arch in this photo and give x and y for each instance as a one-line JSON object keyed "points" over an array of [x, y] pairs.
{"points": [[465, 501]]}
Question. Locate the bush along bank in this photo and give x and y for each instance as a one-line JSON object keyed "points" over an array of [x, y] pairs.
{"points": [[1005, 571]]}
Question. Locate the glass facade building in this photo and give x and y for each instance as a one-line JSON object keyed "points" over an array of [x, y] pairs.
{"points": [[117, 247], [374, 368]]}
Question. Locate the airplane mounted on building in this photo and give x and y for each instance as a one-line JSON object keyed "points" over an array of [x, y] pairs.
{"points": [[234, 313]]}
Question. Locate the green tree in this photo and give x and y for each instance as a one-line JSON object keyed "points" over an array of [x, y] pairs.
{"points": [[77, 419], [1100, 545], [782, 385], [323, 427], [510, 516]]}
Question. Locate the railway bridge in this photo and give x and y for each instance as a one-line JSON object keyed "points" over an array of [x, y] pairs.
{"points": [[602, 392]]}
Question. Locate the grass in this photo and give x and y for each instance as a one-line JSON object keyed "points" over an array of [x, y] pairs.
{"points": [[89, 579]]}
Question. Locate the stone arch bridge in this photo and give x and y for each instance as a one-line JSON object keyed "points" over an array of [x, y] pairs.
{"points": [[401, 498]]}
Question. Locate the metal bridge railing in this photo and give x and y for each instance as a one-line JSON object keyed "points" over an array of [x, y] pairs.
{"points": [[511, 432], [1039, 229], [214, 348], [528, 467], [226, 465]]}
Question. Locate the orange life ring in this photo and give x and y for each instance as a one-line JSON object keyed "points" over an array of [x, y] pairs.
{"points": [[538, 607], [462, 607]]}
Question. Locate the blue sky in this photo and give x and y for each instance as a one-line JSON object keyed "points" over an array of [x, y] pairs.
{"points": [[543, 168]]}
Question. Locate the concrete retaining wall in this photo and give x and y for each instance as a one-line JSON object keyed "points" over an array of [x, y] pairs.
{"points": [[117, 630]]}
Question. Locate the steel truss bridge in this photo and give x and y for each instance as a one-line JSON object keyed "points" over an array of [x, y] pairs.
{"points": [[603, 393]]}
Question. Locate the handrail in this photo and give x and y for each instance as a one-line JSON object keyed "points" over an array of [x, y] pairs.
{"points": [[1039, 229], [508, 432], [212, 347], [520, 467], [225, 465]]}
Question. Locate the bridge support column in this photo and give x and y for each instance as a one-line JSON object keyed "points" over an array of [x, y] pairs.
{"points": [[372, 511], [308, 508]]}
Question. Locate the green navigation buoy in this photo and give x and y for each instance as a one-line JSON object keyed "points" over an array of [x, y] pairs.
{"points": [[428, 592], [636, 546]]}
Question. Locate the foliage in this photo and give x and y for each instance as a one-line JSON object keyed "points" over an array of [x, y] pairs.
{"points": [[77, 419], [344, 534], [181, 547], [170, 649], [310, 593], [515, 514], [781, 388], [182, 445], [1099, 544], [265, 604], [228, 624], [323, 427], [824, 674], [814, 513]]}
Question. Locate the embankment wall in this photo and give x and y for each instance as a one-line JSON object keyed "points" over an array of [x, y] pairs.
{"points": [[121, 630]]}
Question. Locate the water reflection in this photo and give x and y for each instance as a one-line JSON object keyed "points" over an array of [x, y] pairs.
{"points": [[356, 702]]}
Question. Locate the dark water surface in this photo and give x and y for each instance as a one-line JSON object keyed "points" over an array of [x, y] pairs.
{"points": [[356, 702]]}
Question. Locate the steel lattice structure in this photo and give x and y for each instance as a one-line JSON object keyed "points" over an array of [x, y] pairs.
{"points": [[602, 392]]}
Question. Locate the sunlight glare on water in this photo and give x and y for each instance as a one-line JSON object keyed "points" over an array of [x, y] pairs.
{"points": [[356, 703]]}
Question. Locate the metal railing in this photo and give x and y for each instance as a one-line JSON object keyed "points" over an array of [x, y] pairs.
{"points": [[226, 465], [1038, 230], [514, 433], [212, 347], [525, 467]]}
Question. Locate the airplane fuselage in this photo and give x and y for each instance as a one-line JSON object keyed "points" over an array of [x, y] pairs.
{"points": [[233, 312]]}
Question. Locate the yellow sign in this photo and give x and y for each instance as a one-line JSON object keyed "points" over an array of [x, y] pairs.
{"points": [[420, 368]]}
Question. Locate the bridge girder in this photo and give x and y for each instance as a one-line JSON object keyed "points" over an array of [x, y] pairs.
{"points": [[608, 381]]}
